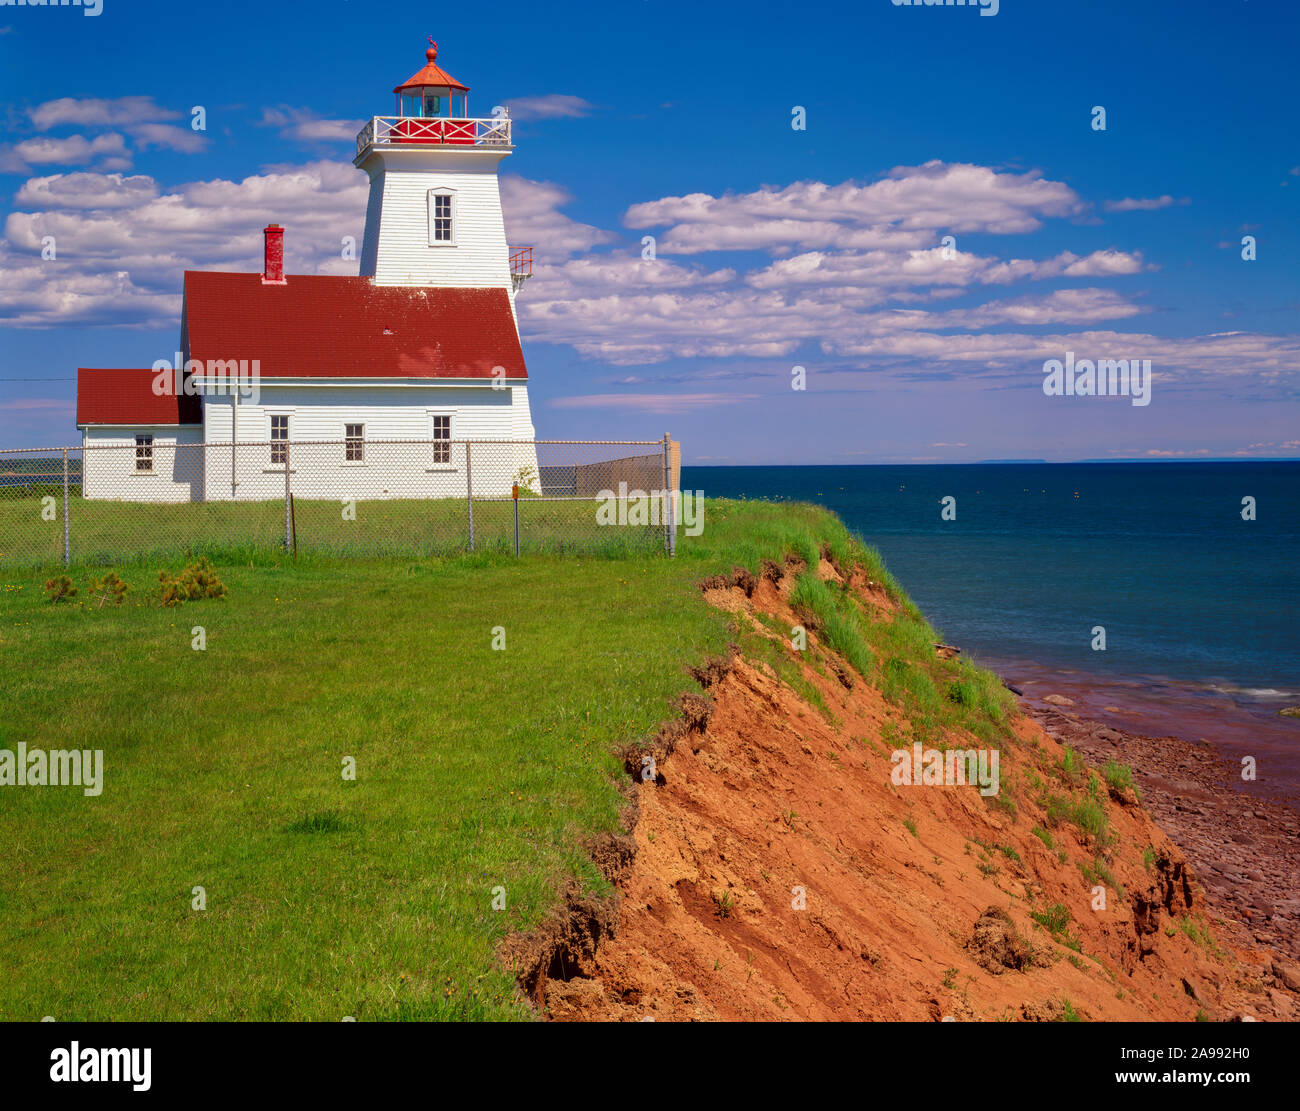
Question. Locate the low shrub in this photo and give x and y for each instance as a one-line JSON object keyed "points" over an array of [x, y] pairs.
{"points": [[59, 589], [109, 588], [198, 580]]}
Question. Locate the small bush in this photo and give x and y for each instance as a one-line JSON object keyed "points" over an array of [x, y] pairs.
{"points": [[963, 694], [59, 589], [1119, 777], [527, 481], [1090, 816], [109, 588], [1086, 813], [1072, 767], [198, 580], [1054, 919]]}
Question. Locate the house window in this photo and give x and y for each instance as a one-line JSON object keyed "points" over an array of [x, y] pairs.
{"points": [[441, 217], [144, 453], [354, 443], [442, 439], [280, 438]]}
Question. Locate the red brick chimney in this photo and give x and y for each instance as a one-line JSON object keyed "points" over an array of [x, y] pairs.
{"points": [[273, 267]]}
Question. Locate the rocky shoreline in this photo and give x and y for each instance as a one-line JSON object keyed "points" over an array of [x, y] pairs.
{"points": [[1245, 850]]}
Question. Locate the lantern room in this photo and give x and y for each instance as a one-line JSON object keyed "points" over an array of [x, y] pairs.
{"points": [[432, 92]]}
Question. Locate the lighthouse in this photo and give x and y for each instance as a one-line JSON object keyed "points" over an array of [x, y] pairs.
{"points": [[434, 214], [405, 381]]}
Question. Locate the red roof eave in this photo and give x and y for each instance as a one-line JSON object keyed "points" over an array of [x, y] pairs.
{"points": [[431, 77], [128, 398]]}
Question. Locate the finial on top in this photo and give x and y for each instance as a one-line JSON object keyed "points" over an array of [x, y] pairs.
{"points": [[432, 52]]}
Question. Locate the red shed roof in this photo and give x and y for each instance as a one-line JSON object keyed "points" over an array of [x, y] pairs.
{"points": [[127, 397], [320, 326], [431, 75]]}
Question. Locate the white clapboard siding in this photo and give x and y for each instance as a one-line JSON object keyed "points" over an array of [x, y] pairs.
{"points": [[109, 464], [388, 470], [396, 249]]}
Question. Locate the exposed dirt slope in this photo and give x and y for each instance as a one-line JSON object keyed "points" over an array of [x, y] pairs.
{"points": [[760, 797]]}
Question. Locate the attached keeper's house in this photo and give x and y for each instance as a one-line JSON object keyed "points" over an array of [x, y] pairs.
{"points": [[422, 346]]}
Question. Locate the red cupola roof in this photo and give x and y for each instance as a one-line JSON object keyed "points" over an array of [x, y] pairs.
{"points": [[432, 76]]}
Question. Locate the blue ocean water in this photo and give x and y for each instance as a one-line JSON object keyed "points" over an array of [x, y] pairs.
{"points": [[1039, 554]]}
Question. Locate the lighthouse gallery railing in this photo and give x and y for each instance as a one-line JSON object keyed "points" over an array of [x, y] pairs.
{"points": [[386, 131]]}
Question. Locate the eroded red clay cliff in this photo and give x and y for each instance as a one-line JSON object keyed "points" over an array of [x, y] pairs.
{"points": [[774, 871]]}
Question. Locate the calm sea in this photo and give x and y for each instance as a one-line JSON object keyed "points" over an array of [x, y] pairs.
{"points": [[1201, 609]]}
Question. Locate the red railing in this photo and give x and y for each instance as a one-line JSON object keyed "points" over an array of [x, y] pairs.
{"points": [[521, 262], [434, 130]]}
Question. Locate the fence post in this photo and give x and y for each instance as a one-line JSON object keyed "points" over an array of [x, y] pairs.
{"points": [[469, 495], [514, 493], [67, 546], [670, 515], [234, 439], [288, 502]]}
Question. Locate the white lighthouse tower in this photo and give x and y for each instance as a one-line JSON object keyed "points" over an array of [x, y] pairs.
{"points": [[434, 216]]}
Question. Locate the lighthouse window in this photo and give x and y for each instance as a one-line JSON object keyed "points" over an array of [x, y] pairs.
{"points": [[432, 105], [354, 442], [279, 438], [440, 219], [144, 453], [441, 439]]}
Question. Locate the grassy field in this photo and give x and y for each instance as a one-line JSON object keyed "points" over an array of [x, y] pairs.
{"points": [[111, 533], [476, 768]]}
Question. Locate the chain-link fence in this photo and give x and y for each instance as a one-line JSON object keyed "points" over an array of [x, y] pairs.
{"points": [[152, 497]]}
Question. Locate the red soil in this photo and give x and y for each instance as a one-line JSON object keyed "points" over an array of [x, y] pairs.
{"points": [[770, 875]]}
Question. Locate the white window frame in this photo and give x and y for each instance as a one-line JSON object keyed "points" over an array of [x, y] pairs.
{"points": [[450, 194], [435, 451], [144, 443], [271, 418], [355, 443]]}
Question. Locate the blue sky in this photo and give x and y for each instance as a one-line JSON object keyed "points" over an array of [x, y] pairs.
{"points": [[774, 247]]}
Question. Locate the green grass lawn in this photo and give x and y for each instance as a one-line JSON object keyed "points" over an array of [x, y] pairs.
{"points": [[222, 769], [113, 533]]}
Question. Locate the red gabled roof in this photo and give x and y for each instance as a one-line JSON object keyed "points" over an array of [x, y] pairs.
{"points": [[127, 397], [320, 326], [431, 75]]}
